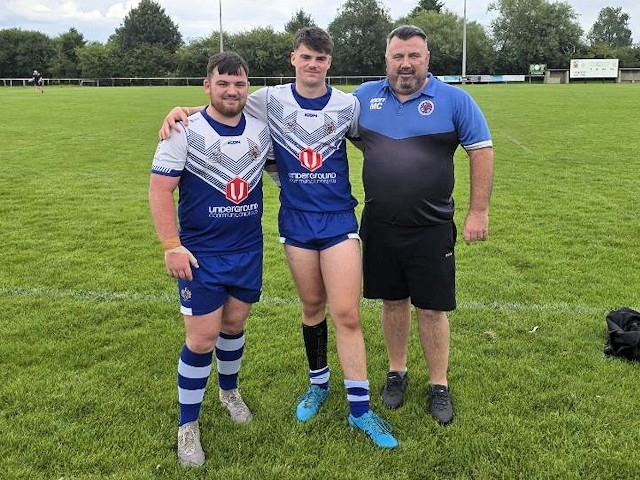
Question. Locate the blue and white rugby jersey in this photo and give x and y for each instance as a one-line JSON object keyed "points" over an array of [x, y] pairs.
{"points": [[409, 146], [309, 145], [220, 190]]}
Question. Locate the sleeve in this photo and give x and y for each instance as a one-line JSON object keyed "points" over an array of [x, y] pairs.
{"points": [[353, 132], [471, 124], [171, 154], [257, 104]]}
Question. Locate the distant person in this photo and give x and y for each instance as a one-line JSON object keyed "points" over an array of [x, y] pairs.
{"points": [[410, 126], [36, 78], [309, 122], [216, 162]]}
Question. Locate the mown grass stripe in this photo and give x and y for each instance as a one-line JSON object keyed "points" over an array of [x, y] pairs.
{"points": [[107, 296]]}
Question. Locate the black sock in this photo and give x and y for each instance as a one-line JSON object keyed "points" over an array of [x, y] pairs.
{"points": [[315, 342]]}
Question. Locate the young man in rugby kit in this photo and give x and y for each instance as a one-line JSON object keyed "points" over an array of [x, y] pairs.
{"points": [[309, 122], [216, 162]]}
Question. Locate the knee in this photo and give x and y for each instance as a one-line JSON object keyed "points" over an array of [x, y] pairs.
{"points": [[432, 316], [313, 307], [348, 319], [233, 326], [201, 343]]}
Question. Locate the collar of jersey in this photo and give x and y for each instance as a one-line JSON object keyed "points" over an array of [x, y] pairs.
{"points": [[311, 103], [225, 130]]}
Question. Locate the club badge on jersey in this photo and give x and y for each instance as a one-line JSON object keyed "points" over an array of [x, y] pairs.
{"points": [[310, 159], [237, 190]]}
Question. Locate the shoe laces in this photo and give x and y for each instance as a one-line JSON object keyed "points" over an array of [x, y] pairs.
{"points": [[440, 397], [312, 396], [233, 398], [374, 424], [394, 381], [187, 440]]}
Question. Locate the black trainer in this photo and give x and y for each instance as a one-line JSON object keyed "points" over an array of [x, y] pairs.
{"points": [[393, 390], [441, 406]]}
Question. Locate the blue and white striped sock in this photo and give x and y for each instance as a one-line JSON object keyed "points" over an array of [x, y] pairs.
{"points": [[193, 372], [320, 377], [357, 396], [229, 349]]}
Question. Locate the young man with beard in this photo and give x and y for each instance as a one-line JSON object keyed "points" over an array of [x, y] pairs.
{"points": [[216, 162]]}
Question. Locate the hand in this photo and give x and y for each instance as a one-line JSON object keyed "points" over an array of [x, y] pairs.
{"points": [[170, 122], [476, 227], [179, 261]]}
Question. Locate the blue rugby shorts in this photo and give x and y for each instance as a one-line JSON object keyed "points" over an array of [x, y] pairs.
{"points": [[316, 230], [219, 277]]}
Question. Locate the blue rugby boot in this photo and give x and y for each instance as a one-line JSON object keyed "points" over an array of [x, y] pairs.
{"points": [[310, 402], [377, 429]]}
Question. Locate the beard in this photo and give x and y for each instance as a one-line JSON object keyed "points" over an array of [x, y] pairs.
{"points": [[406, 85], [226, 108]]}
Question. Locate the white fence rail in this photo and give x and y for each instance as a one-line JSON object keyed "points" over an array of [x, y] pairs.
{"points": [[625, 75]]}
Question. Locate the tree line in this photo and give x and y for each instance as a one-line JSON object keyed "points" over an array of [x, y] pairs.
{"points": [[149, 44]]}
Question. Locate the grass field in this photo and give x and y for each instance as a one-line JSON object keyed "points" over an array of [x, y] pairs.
{"points": [[90, 331]]}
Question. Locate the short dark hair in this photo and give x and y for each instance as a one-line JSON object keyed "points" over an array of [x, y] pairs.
{"points": [[405, 32], [315, 38], [229, 63]]}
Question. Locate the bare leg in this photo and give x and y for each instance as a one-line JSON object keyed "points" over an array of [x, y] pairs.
{"points": [[305, 270], [433, 327], [342, 275], [202, 331], [234, 316], [396, 326]]}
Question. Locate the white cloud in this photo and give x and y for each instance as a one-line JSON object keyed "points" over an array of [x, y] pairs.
{"points": [[120, 10], [70, 11]]}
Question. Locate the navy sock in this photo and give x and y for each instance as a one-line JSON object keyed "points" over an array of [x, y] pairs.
{"points": [[229, 350], [193, 372], [357, 396]]}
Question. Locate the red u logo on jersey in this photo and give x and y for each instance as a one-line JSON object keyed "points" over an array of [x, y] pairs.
{"points": [[310, 159], [237, 190]]}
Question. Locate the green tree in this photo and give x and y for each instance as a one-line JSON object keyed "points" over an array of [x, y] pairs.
{"points": [[266, 51], [444, 38], [148, 23], [534, 31], [427, 5], [359, 32], [611, 28], [65, 62], [146, 42], [299, 20], [192, 60], [22, 51], [97, 60], [149, 60], [628, 56]]}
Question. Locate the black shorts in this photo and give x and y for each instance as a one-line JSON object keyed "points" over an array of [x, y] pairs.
{"points": [[410, 262]]}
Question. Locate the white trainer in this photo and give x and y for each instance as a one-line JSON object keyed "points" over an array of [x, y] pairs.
{"points": [[232, 401], [190, 453]]}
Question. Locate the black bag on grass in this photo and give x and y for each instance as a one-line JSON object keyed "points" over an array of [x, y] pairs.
{"points": [[623, 337]]}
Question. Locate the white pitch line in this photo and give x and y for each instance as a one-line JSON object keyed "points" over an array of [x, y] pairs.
{"points": [[516, 142], [106, 296]]}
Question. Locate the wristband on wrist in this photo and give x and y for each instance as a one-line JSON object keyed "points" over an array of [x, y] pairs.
{"points": [[170, 243]]}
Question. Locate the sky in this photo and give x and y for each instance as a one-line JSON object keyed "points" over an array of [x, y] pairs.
{"points": [[98, 19]]}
